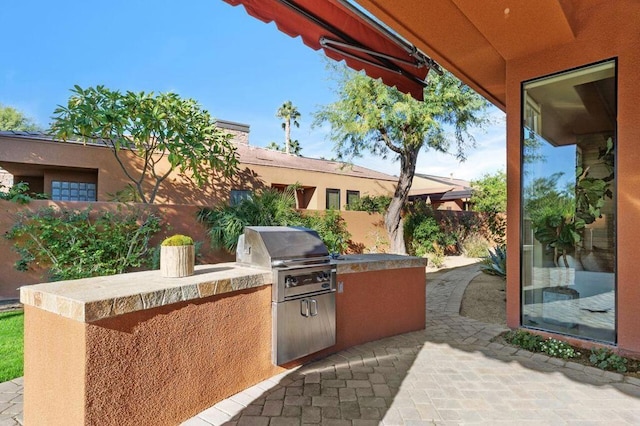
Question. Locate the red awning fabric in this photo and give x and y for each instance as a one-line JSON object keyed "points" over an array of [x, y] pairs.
{"points": [[345, 35]]}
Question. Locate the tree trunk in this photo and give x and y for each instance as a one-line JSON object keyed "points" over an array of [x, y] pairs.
{"points": [[287, 136], [393, 218]]}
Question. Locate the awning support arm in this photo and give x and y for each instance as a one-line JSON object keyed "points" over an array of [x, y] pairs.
{"points": [[353, 44]]}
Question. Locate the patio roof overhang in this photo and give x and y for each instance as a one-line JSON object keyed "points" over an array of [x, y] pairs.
{"points": [[476, 39], [346, 33]]}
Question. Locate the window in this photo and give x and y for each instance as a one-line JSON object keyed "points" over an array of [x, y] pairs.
{"points": [[568, 217], [333, 199], [352, 197], [73, 191], [239, 195]]}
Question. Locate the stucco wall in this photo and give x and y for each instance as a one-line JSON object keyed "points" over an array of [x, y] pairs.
{"points": [[54, 359], [367, 233], [162, 366], [607, 30]]}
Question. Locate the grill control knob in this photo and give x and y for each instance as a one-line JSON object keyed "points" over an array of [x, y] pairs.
{"points": [[290, 281]]}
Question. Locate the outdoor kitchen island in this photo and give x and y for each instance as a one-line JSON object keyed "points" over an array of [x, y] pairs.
{"points": [[141, 349]]}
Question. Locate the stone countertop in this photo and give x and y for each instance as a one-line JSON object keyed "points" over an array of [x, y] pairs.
{"points": [[92, 299], [353, 263]]}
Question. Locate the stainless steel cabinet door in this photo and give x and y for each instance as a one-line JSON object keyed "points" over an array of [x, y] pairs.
{"points": [[303, 326]]}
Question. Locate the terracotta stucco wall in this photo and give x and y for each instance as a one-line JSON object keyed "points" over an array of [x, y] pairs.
{"points": [[162, 366], [178, 218], [607, 30], [54, 360], [78, 162]]}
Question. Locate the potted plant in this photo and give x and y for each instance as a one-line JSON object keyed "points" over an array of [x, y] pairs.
{"points": [[177, 256]]}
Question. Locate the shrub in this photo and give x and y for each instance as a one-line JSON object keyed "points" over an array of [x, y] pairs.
{"points": [[606, 360], [331, 228], [19, 193], [524, 339], [371, 204], [271, 208], [475, 245], [178, 240], [496, 262], [421, 230], [534, 343], [77, 244]]}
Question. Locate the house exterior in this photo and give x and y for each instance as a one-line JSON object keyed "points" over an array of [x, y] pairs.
{"points": [[442, 193], [566, 73], [73, 171]]}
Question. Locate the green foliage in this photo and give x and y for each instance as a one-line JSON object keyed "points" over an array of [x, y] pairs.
{"points": [[152, 127], [331, 228], [421, 229], [605, 359], [178, 240], [19, 193], [490, 197], [496, 262], [534, 343], [271, 208], [475, 245], [12, 119], [371, 204], [77, 244], [558, 349], [372, 117], [11, 345], [288, 113], [294, 147], [268, 208], [524, 339], [490, 193]]}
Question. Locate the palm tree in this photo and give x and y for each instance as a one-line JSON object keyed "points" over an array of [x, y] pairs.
{"points": [[288, 112]]}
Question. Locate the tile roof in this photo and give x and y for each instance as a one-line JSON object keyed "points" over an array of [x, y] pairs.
{"points": [[249, 154]]}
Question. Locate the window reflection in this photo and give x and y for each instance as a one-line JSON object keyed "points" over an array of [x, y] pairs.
{"points": [[568, 203]]}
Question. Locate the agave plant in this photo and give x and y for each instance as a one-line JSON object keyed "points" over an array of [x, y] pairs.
{"points": [[496, 262]]}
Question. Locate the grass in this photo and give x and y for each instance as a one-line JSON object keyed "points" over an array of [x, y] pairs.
{"points": [[11, 345]]}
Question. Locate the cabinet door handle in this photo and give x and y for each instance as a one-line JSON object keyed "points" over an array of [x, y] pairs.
{"points": [[304, 307], [314, 307]]}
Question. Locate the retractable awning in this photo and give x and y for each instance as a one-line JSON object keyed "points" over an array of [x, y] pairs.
{"points": [[346, 33]]}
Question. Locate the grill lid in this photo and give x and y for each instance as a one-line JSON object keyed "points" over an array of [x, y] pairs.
{"points": [[269, 246]]}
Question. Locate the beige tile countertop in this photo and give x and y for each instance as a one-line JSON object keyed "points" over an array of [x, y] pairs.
{"points": [[91, 299]]}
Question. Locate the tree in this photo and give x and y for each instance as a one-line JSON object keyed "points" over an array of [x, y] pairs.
{"points": [[490, 193], [370, 116], [152, 127], [12, 119], [288, 112], [294, 147]]}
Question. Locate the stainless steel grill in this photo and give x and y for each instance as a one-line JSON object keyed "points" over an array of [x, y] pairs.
{"points": [[303, 290]]}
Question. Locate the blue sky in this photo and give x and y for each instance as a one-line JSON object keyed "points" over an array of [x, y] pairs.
{"points": [[237, 67]]}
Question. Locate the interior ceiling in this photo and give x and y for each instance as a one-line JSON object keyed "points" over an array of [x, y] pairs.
{"points": [[478, 37], [576, 108]]}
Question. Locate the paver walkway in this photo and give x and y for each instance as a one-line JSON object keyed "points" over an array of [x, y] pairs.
{"points": [[448, 374]]}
